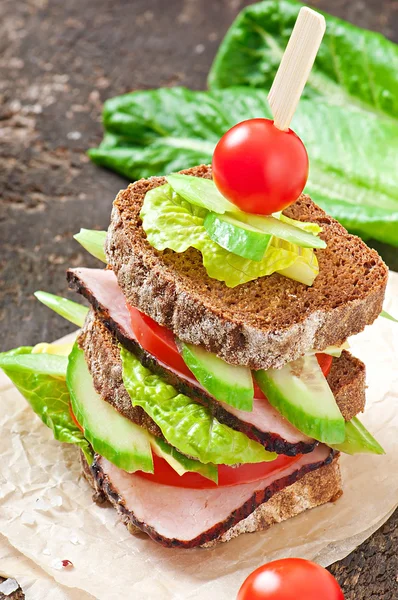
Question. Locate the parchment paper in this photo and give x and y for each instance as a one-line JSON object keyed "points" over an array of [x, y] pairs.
{"points": [[46, 511]]}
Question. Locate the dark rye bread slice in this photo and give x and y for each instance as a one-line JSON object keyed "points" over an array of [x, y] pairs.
{"points": [[346, 379], [311, 486], [263, 323]]}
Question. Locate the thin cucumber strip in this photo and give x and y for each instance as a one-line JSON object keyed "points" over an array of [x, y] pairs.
{"points": [[358, 440], [69, 310], [93, 241]]}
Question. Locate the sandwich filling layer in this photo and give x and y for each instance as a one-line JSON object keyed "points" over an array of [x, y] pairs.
{"points": [[187, 518], [264, 423]]}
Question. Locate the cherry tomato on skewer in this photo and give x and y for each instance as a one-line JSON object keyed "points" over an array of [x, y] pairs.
{"points": [[260, 168]]}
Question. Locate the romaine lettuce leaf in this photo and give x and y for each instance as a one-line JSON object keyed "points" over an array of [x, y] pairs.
{"points": [[169, 221], [187, 425], [354, 67], [40, 378]]}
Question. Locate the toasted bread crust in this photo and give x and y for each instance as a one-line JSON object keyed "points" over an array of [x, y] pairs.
{"points": [[312, 486], [263, 323], [346, 378]]}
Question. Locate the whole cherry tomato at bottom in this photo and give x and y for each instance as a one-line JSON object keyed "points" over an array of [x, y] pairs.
{"points": [[260, 168], [290, 579]]}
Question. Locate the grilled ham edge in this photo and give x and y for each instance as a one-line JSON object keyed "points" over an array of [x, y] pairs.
{"points": [[166, 515]]}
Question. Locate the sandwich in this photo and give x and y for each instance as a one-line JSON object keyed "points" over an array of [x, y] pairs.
{"points": [[210, 389], [206, 409]]}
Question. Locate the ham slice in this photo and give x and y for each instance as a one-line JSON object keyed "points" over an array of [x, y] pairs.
{"points": [[175, 516], [264, 423]]}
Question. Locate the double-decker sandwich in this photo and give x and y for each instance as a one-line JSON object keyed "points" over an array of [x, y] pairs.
{"points": [[210, 388]]}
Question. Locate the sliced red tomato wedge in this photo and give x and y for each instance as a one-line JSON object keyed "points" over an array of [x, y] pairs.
{"points": [[72, 414], [227, 476], [325, 362], [159, 341]]}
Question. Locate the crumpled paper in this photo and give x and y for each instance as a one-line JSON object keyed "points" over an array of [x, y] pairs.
{"points": [[47, 515]]}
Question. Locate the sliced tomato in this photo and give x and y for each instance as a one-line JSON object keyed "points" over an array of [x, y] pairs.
{"points": [[325, 362], [159, 341], [72, 414], [227, 476]]}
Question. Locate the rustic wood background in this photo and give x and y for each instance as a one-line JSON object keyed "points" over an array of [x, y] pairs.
{"points": [[59, 61]]}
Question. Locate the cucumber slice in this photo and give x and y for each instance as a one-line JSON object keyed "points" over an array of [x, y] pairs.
{"points": [[227, 383], [387, 315], [93, 241], [113, 436], [201, 192], [281, 229], [69, 310], [300, 392], [181, 463], [237, 237], [358, 440]]}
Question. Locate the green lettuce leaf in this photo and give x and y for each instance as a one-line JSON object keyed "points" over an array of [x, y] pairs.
{"points": [[69, 310], [354, 67], [40, 378], [353, 171], [169, 221], [187, 425]]}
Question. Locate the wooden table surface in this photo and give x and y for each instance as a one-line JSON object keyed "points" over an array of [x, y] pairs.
{"points": [[59, 61]]}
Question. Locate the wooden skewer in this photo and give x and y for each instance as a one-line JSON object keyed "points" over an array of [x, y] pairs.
{"points": [[296, 65]]}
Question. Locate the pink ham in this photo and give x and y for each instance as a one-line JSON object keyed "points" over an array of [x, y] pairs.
{"points": [[175, 516], [100, 287]]}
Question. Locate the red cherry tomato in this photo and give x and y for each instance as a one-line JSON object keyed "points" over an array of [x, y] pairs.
{"points": [[290, 579], [260, 168], [227, 476]]}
